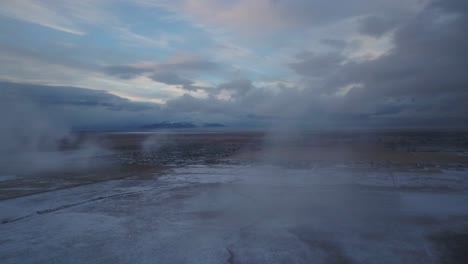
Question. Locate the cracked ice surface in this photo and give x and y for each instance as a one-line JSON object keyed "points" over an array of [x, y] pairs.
{"points": [[237, 214]]}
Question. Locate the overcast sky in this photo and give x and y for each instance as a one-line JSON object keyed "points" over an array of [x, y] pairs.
{"points": [[317, 63]]}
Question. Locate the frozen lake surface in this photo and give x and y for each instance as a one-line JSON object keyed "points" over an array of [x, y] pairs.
{"points": [[244, 214]]}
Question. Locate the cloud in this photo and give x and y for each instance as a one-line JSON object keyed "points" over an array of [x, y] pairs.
{"points": [[41, 13], [73, 68], [65, 16], [75, 107], [376, 26], [458, 6], [335, 43], [71, 105], [420, 80], [52, 95], [266, 16], [239, 87], [317, 65], [427, 59], [31, 134], [171, 78], [168, 72], [365, 63], [177, 63], [137, 40]]}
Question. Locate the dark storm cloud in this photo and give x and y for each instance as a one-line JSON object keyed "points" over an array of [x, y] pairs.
{"points": [[376, 26], [77, 107], [64, 95], [429, 58], [74, 107], [458, 6], [422, 79], [334, 43], [317, 65]]}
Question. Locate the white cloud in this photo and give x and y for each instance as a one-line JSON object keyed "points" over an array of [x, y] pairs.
{"points": [[67, 16], [41, 13]]}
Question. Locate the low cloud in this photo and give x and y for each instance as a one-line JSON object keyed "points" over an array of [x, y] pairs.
{"points": [[171, 78], [168, 72]]}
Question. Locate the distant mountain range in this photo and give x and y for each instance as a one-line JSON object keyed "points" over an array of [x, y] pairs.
{"points": [[153, 126], [179, 125], [213, 125]]}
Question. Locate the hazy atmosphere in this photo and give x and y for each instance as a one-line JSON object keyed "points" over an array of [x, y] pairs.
{"points": [[241, 63], [234, 131]]}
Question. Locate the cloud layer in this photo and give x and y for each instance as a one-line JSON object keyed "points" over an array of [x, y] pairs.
{"points": [[251, 63]]}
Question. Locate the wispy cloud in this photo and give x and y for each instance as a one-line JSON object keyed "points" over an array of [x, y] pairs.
{"points": [[62, 15], [134, 39], [179, 63], [41, 13]]}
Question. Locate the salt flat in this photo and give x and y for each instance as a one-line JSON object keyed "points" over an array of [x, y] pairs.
{"points": [[237, 214]]}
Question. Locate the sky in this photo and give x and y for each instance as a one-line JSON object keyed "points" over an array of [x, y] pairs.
{"points": [[245, 63]]}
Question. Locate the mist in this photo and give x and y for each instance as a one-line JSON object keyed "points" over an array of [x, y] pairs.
{"points": [[31, 142], [302, 131]]}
